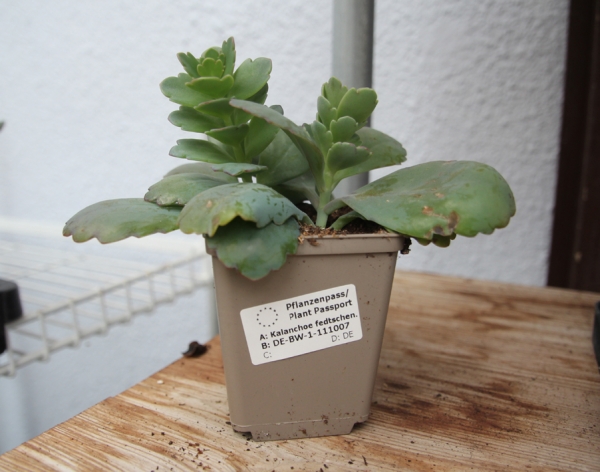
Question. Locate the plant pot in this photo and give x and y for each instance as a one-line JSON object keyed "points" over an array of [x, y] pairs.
{"points": [[322, 383]]}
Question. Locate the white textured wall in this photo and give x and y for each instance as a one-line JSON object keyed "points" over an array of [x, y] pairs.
{"points": [[478, 80], [86, 121], [457, 79]]}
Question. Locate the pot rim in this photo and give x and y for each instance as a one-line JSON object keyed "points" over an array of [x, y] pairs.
{"points": [[316, 245], [350, 244]]}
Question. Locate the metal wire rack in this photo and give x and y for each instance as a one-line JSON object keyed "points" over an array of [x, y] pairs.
{"points": [[69, 293]]}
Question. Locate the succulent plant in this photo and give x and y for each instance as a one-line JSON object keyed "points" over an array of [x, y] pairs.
{"points": [[256, 166]]}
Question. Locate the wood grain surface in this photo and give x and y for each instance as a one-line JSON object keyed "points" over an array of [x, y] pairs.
{"points": [[473, 376]]}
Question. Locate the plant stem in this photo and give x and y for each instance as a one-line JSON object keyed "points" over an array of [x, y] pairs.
{"points": [[240, 156], [324, 199]]}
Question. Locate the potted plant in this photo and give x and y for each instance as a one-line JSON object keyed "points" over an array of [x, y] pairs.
{"points": [[302, 304]]}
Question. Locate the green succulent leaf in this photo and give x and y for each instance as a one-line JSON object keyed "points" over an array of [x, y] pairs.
{"points": [[219, 108], [333, 91], [346, 219], [300, 189], [442, 197], [250, 77], [176, 90], [261, 96], [260, 135], [283, 161], [200, 150], [220, 205], [213, 87], [320, 135], [297, 134], [343, 129], [385, 151], [236, 169], [189, 63], [442, 241], [344, 155], [224, 148], [213, 52], [255, 251], [359, 104], [189, 119], [202, 168], [270, 116], [211, 68], [333, 205], [113, 220], [179, 189], [230, 135], [228, 50], [325, 112], [240, 116]]}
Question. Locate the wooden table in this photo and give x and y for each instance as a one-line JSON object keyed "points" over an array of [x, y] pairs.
{"points": [[473, 376]]}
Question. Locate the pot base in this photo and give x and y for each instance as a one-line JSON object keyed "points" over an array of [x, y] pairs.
{"points": [[300, 429]]}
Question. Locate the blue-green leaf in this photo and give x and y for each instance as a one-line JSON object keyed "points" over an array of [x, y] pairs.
{"points": [[175, 89], [385, 151], [240, 116], [344, 155], [178, 189], [230, 135], [250, 77], [213, 87], [228, 50], [199, 150], [113, 220], [358, 104], [442, 197], [210, 68], [260, 135], [236, 169], [300, 189], [283, 161], [220, 205], [325, 112], [189, 63], [297, 134], [255, 251], [346, 219], [320, 135], [202, 168], [343, 129], [189, 119], [333, 91], [219, 108]]}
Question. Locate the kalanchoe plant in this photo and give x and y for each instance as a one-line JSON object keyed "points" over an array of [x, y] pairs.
{"points": [[256, 166]]}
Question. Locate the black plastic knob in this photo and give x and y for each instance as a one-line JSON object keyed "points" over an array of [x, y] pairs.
{"points": [[10, 308]]}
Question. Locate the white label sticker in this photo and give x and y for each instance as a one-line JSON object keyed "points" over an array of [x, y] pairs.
{"points": [[303, 324]]}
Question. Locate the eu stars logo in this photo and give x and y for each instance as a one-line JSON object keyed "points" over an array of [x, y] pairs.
{"points": [[267, 317]]}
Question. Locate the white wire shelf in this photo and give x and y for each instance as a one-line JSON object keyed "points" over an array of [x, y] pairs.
{"points": [[70, 292]]}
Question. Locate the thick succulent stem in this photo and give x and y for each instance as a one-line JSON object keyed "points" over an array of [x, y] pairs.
{"points": [[324, 199], [239, 154]]}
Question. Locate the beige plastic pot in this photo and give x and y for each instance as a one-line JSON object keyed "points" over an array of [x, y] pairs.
{"points": [[299, 364]]}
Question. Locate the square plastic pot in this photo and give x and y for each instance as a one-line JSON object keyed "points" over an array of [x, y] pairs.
{"points": [[319, 393]]}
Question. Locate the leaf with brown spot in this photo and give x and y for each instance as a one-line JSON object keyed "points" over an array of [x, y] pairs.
{"points": [[113, 220], [437, 199]]}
